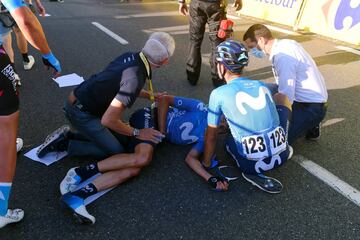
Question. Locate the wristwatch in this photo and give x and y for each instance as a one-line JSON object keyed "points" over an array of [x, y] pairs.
{"points": [[136, 132]]}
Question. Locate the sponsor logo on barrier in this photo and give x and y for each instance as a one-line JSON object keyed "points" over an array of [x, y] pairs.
{"points": [[280, 3], [347, 14]]}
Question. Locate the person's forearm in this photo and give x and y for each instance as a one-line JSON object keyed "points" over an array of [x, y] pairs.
{"points": [[31, 29], [119, 127], [195, 164], [163, 108], [210, 144]]}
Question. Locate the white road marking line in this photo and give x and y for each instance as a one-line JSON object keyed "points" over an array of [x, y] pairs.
{"points": [[233, 17], [348, 49], [282, 30], [332, 121], [110, 33], [179, 33], [153, 14], [168, 29], [330, 179]]}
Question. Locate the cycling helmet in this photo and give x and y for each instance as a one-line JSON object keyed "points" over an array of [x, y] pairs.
{"points": [[233, 55]]}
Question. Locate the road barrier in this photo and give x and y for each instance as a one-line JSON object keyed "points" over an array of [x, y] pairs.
{"points": [[338, 19]]}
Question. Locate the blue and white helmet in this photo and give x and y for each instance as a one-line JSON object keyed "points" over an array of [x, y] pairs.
{"points": [[233, 55]]}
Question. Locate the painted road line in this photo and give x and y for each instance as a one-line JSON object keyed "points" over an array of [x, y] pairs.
{"points": [[349, 49], [110, 33], [174, 30], [154, 14], [168, 29], [233, 17], [179, 32], [330, 179], [332, 121]]}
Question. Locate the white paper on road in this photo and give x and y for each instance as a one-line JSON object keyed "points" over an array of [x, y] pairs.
{"points": [[69, 80], [49, 158], [46, 15], [95, 196]]}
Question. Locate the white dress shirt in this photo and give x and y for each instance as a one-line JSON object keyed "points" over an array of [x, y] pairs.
{"points": [[296, 73]]}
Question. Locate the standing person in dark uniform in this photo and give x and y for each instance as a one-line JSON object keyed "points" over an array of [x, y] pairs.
{"points": [[9, 102], [204, 12], [95, 108]]}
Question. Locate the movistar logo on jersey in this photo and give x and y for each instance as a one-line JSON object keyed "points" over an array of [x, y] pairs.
{"points": [[256, 103]]}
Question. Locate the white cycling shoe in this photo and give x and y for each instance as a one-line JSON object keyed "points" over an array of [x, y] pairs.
{"points": [[19, 144], [12, 216], [70, 182]]}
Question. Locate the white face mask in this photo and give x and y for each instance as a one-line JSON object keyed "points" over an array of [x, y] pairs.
{"points": [[257, 53]]}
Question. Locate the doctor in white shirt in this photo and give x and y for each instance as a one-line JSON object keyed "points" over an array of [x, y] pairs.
{"points": [[296, 76]]}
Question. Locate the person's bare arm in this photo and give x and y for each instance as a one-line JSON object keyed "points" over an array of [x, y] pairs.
{"points": [[163, 107], [210, 144], [238, 4], [112, 119], [31, 28], [40, 8], [183, 9], [193, 161]]}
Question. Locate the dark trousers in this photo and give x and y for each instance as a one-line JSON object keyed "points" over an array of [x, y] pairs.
{"points": [[92, 138], [305, 116], [202, 13]]}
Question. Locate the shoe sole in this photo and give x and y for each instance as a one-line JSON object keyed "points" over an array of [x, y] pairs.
{"points": [[50, 139], [261, 188], [26, 67], [19, 144], [79, 218], [58, 132], [41, 151], [60, 186]]}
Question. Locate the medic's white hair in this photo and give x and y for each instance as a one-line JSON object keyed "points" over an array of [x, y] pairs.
{"points": [[158, 47]]}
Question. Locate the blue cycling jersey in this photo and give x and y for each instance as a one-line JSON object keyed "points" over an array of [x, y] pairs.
{"points": [[252, 117], [187, 122], [11, 5]]}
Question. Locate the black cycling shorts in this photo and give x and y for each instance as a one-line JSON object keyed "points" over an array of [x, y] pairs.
{"points": [[141, 118], [9, 100]]}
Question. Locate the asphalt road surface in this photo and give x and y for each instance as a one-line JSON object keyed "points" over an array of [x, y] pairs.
{"points": [[168, 201]]}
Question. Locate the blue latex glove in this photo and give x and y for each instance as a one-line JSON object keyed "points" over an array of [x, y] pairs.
{"points": [[50, 60]]}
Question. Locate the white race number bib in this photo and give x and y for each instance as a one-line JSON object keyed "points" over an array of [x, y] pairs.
{"points": [[254, 147], [277, 140]]}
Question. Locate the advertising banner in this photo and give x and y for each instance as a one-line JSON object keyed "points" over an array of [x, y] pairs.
{"points": [[339, 19], [279, 11]]}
